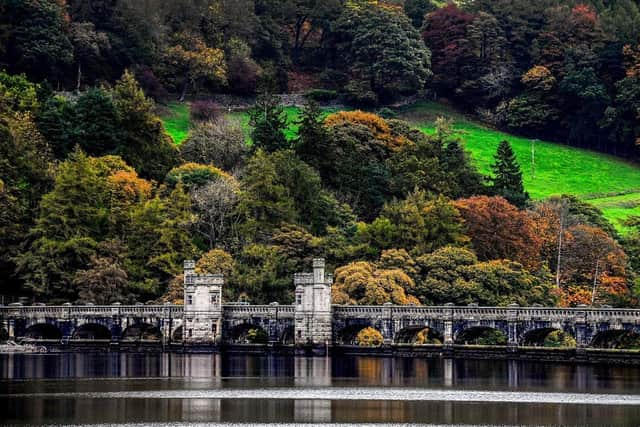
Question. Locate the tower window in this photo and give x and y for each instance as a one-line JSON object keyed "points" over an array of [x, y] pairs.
{"points": [[298, 299], [189, 299]]}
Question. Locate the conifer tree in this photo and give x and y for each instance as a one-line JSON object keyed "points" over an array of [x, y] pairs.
{"points": [[507, 180], [269, 123]]}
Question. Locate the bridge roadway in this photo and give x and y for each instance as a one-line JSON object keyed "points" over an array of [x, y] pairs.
{"points": [[399, 325]]}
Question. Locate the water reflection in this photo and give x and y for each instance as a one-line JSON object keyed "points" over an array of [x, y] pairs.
{"points": [[202, 388]]}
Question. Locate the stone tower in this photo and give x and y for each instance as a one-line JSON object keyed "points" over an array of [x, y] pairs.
{"points": [[313, 323], [202, 305]]}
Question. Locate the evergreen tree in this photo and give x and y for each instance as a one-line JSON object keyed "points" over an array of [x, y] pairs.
{"points": [[507, 181], [312, 136], [269, 123], [97, 126]]}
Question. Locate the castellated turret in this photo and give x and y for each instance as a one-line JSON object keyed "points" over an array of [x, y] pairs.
{"points": [[313, 305], [202, 305]]}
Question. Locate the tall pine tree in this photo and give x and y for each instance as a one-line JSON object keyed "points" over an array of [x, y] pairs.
{"points": [[507, 180]]}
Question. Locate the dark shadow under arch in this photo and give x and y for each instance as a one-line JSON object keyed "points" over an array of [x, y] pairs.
{"points": [[91, 331], [616, 339], [248, 333], [142, 331], [481, 335], [43, 331], [418, 335]]}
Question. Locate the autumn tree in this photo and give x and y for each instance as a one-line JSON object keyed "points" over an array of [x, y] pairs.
{"points": [[364, 284], [191, 58], [498, 230]]}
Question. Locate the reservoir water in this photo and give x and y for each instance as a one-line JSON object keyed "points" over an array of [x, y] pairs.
{"points": [[202, 389]]}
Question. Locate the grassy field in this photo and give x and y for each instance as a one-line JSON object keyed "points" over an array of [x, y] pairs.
{"points": [[611, 184], [607, 182]]}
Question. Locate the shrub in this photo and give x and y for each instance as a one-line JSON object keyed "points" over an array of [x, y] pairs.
{"points": [[257, 336], [205, 111], [559, 339], [194, 175], [369, 337], [321, 95], [387, 113]]}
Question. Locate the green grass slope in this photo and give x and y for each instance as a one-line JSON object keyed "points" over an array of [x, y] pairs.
{"points": [[607, 182], [611, 184]]}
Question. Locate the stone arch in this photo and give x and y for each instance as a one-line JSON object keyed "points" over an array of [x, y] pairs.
{"points": [[410, 334], [535, 337], [177, 334], [616, 338], [348, 334], [4, 334], [288, 336], [248, 333], [481, 335], [43, 331], [91, 331], [142, 332]]}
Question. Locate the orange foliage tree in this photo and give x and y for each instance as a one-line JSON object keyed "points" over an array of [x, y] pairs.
{"points": [[498, 230]]}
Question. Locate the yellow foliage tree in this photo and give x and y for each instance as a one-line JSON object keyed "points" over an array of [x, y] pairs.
{"points": [[369, 337], [363, 283], [376, 124], [216, 261]]}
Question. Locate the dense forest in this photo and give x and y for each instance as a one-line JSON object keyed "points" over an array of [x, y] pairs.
{"points": [[99, 204]]}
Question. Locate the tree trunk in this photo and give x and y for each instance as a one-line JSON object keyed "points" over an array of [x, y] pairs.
{"points": [[79, 78]]}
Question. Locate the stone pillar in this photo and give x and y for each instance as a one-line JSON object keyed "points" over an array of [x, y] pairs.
{"points": [[387, 323], [313, 317], [11, 329], [582, 330], [512, 326], [448, 327]]}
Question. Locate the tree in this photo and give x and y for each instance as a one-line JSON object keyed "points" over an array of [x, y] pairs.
{"points": [[312, 135], [445, 34], [89, 48], [369, 337], [421, 225], [381, 50], [269, 122], [507, 180], [190, 57], [57, 123], [146, 146], [498, 230], [417, 9], [216, 261], [37, 39], [106, 281], [220, 143], [194, 175], [264, 201], [362, 283], [218, 220], [97, 125]]}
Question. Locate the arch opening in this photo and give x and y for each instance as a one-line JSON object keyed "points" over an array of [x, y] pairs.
{"points": [[177, 334], [91, 331], [4, 335], [481, 335], [288, 336], [361, 335], [248, 333], [548, 337], [142, 332], [419, 335], [43, 331], [616, 339]]}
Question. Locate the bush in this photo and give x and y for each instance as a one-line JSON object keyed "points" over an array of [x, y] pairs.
{"points": [[202, 111], [257, 336], [369, 337], [321, 95], [558, 339]]}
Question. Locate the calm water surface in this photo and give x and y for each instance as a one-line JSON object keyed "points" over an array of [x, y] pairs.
{"points": [[192, 390]]}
